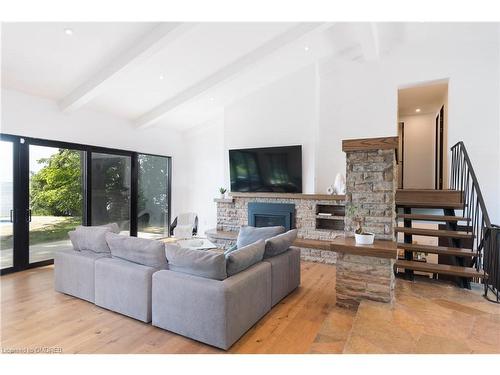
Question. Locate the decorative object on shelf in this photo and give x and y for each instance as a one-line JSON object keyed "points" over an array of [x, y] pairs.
{"points": [[330, 190], [362, 237], [339, 185], [324, 214], [222, 192]]}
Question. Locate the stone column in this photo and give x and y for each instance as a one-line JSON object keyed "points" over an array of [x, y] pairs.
{"points": [[371, 183]]}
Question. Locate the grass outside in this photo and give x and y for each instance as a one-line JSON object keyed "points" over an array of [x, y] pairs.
{"points": [[54, 231]]}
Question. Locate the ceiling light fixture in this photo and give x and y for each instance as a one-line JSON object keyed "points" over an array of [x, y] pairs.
{"points": [[162, 77], [212, 98], [417, 110], [68, 32], [306, 48]]}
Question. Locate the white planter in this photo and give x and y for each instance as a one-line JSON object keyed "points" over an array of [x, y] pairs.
{"points": [[222, 196], [364, 239]]}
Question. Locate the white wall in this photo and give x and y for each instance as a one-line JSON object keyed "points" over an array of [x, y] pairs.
{"points": [[419, 151], [280, 114], [319, 107], [204, 171], [35, 117], [360, 99]]}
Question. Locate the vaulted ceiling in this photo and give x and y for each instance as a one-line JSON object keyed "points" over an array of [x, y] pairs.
{"points": [[172, 74]]}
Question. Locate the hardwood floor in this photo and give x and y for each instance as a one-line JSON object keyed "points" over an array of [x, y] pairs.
{"points": [[426, 317]]}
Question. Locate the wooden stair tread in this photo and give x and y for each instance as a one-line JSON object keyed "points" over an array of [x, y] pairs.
{"points": [[431, 217], [430, 198], [434, 232], [444, 250], [439, 268], [422, 204]]}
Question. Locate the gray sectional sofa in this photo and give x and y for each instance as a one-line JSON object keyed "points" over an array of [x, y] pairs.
{"points": [[209, 296]]}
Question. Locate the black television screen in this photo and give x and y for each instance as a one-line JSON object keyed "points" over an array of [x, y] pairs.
{"points": [[271, 169]]}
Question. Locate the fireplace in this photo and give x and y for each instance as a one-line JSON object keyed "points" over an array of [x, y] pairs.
{"points": [[271, 214]]}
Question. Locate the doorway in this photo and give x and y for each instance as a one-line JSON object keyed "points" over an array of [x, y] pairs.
{"points": [[422, 130]]}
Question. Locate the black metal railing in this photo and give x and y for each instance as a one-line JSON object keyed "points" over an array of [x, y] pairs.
{"points": [[486, 237]]}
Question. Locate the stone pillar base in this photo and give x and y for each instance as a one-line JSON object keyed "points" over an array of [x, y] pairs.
{"points": [[363, 277]]}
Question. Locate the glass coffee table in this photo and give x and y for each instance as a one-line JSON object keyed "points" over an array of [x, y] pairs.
{"points": [[195, 243]]}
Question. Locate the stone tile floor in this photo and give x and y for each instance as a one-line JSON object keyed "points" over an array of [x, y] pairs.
{"points": [[425, 317]]}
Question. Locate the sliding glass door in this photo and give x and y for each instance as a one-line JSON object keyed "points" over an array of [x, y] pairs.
{"points": [[153, 192], [47, 188], [111, 190], [55, 199], [7, 205]]}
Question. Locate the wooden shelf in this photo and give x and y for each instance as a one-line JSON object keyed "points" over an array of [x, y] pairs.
{"points": [[223, 200], [317, 197], [379, 249], [319, 217]]}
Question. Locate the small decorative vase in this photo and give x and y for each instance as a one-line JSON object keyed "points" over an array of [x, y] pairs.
{"points": [[364, 238], [222, 196], [339, 185]]}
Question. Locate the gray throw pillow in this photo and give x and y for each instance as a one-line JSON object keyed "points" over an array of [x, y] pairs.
{"points": [[239, 260], [90, 238], [143, 251], [113, 227], [249, 235], [203, 263], [280, 243]]}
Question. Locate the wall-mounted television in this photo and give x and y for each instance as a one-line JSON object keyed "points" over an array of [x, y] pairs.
{"points": [[270, 169]]}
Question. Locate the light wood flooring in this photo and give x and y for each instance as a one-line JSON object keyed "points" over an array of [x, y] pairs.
{"points": [[426, 317]]}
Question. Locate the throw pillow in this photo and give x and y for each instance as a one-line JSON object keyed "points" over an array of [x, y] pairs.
{"points": [[249, 235], [240, 259], [202, 263], [143, 251], [90, 238], [280, 243]]}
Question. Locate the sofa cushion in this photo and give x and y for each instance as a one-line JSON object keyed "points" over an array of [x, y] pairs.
{"points": [[90, 238], [249, 235], [280, 243], [113, 227], [143, 251], [203, 263], [240, 259]]}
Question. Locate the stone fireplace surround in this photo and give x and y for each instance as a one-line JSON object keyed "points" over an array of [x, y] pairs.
{"points": [[232, 213]]}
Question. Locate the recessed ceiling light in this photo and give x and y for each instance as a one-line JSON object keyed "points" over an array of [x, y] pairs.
{"points": [[212, 98], [162, 77], [68, 32], [417, 110], [306, 48]]}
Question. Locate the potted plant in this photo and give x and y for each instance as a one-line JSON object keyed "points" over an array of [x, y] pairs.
{"points": [[361, 237], [222, 192]]}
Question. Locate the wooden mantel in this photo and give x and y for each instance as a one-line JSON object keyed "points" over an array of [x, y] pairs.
{"points": [[367, 144], [289, 196]]}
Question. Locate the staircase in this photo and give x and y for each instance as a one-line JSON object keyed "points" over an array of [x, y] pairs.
{"points": [[468, 245], [456, 256]]}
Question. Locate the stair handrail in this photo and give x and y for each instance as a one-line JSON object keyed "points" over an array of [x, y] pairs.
{"points": [[485, 235]]}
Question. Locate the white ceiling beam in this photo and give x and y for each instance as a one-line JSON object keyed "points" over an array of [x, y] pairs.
{"points": [[369, 41], [227, 72], [147, 45]]}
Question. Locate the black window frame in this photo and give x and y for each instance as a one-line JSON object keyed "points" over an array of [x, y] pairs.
{"points": [[21, 191]]}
